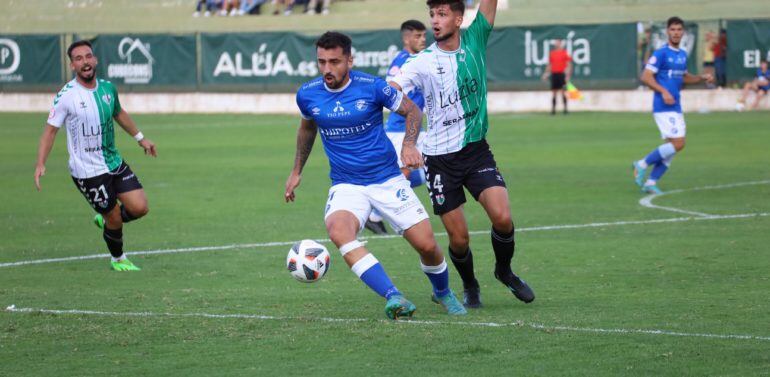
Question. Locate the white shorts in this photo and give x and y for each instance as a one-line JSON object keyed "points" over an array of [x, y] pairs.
{"points": [[393, 199], [671, 124], [397, 139]]}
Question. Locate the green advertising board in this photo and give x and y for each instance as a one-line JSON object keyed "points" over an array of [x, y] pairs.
{"points": [[30, 60], [748, 43], [147, 59], [283, 61], [602, 55]]}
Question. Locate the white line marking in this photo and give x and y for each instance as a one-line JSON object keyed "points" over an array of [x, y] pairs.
{"points": [[536, 326], [647, 200], [442, 234]]}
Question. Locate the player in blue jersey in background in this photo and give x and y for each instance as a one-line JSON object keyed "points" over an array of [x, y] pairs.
{"points": [[760, 85], [345, 107], [413, 37], [665, 73]]}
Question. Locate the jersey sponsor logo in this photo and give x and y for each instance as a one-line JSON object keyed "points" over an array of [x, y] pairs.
{"points": [[316, 111], [338, 108], [136, 67], [91, 130], [467, 115], [361, 105], [340, 133], [10, 58], [464, 90], [363, 79]]}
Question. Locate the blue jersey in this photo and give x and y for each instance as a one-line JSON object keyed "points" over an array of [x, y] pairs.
{"points": [[396, 122], [349, 120], [766, 76], [669, 66]]}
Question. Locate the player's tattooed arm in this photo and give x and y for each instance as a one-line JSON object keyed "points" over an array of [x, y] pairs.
{"points": [[305, 139], [410, 156]]}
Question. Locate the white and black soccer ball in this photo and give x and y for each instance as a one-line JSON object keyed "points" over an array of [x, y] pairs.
{"points": [[308, 261]]}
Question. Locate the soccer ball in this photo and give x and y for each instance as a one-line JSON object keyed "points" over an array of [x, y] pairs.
{"points": [[308, 261]]}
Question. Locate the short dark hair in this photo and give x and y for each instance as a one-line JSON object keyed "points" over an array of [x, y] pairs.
{"points": [[674, 21], [332, 39], [77, 44], [412, 25], [454, 5]]}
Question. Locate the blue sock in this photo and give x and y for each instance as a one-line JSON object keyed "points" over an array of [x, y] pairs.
{"points": [[439, 278], [370, 271], [417, 177], [660, 153], [660, 169]]}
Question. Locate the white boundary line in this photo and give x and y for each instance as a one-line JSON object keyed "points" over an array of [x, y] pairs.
{"points": [[288, 243], [647, 200], [520, 324]]}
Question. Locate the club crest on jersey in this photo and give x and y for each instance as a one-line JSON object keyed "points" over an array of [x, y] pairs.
{"points": [[402, 195], [107, 99], [361, 105], [387, 91], [440, 199]]}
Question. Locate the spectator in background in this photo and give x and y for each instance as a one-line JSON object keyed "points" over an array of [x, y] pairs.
{"points": [[708, 56], [286, 5], [251, 7], [760, 85], [313, 5], [560, 69], [210, 6], [720, 58]]}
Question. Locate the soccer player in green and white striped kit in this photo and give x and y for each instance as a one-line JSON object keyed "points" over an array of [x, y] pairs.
{"points": [[451, 73], [86, 107]]}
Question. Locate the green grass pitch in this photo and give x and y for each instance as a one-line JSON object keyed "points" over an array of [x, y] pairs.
{"points": [[623, 290]]}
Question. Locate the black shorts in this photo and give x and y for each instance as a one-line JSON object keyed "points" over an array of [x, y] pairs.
{"points": [[473, 167], [558, 81], [102, 191]]}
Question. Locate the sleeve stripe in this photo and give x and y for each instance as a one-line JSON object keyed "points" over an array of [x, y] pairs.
{"points": [[397, 102], [652, 68]]}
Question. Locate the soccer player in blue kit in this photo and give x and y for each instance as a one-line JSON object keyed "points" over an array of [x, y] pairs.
{"points": [[665, 73], [413, 37], [345, 107]]}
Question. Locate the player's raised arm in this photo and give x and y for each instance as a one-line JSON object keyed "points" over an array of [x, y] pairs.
{"points": [[489, 9], [127, 123], [410, 155], [43, 150], [305, 138]]}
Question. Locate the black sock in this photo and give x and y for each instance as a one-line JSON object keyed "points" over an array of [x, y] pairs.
{"points": [[464, 266], [564, 100], [503, 244], [127, 217], [114, 240], [553, 105]]}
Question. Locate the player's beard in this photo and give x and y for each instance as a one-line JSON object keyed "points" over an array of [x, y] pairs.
{"points": [[441, 38], [333, 83], [87, 76]]}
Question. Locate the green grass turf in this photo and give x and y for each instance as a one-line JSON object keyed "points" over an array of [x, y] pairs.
{"points": [[118, 16], [219, 181]]}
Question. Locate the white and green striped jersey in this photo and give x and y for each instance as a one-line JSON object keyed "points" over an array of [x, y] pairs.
{"points": [[87, 115], [454, 84]]}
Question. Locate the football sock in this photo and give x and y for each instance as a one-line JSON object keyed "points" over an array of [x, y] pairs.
{"points": [[564, 101], [125, 216], [370, 271], [416, 177], [503, 245], [114, 240], [659, 169], [657, 155], [553, 105], [439, 278], [464, 266]]}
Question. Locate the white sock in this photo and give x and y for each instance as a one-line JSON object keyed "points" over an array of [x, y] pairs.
{"points": [[642, 164]]}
